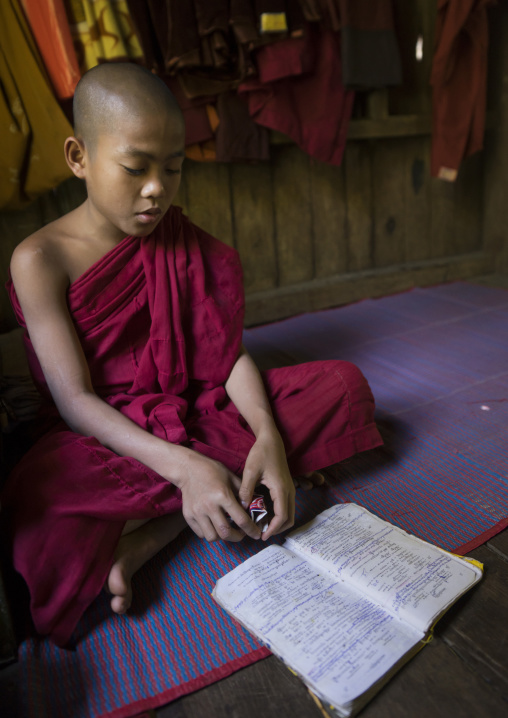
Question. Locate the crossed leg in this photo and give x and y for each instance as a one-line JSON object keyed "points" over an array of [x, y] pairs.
{"points": [[142, 539]]}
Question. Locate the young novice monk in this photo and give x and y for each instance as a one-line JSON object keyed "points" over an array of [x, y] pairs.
{"points": [[155, 409]]}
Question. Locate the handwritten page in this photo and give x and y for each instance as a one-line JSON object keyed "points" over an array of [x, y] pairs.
{"points": [[338, 639], [413, 580]]}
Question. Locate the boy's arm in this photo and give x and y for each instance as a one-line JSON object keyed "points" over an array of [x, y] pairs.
{"points": [[206, 485], [266, 462]]}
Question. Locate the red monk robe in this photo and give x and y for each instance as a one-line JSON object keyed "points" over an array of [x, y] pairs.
{"points": [[160, 321]]}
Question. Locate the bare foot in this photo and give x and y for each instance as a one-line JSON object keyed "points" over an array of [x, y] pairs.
{"points": [[310, 480], [135, 549]]}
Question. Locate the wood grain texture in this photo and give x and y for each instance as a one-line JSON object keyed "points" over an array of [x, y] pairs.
{"points": [[208, 198], [180, 199], [468, 206], [389, 188], [495, 211], [293, 215], [442, 217], [253, 217], [359, 218], [472, 627], [266, 688], [499, 544], [281, 302], [328, 199], [437, 683], [417, 200]]}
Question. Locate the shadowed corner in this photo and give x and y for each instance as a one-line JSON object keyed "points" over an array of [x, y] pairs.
{"points": [[365, 468]]}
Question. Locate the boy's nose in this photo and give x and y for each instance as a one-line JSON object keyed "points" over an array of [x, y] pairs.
{"points": [[153, 187]]}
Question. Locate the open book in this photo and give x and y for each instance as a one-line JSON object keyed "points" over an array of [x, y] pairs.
{"points": [[346, 601]]}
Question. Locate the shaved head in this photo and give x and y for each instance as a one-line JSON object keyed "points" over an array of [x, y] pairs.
{"points": [[110, 93]]}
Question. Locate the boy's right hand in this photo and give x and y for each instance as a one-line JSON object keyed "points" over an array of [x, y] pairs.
{"points": [[209, 502]]}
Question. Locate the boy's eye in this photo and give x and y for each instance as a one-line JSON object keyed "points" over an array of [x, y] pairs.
{"points": [[172, 172], [132, 171]]}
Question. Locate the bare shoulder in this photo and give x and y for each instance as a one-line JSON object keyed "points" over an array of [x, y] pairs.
{"points": [[41, 257]]}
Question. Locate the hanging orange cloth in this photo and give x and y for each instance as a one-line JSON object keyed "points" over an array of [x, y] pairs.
{"points": [[32, 125], [102, 30], [459, 81], [50, 28]]}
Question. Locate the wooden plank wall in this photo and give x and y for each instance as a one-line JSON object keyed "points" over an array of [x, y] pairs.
{"points": [[305, 230]]}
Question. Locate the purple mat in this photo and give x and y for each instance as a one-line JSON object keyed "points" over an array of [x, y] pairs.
{"points": [[436, 360]]}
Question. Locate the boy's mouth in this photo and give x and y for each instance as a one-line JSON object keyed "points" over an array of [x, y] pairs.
{"points": [[149, 215]]}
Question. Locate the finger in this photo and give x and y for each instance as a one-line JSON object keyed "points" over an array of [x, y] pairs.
{"points": [[243, 521], [291, 517], [203, 528], [249, 481], [283, 518], [236, 483], [226, 528], [291, 508]]}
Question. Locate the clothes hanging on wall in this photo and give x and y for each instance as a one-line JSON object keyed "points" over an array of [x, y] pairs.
{"points": [[299, 92], [370, 53], [31, 122], [201, 122], [50, 26], [288, 71], [238, 137], [459, 81], [102, 30]]}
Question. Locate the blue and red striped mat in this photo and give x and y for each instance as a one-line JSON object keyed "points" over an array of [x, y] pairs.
{"points": [[437, 362]]}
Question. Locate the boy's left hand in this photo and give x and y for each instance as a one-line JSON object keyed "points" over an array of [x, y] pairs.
{"points": [[267, 464]]}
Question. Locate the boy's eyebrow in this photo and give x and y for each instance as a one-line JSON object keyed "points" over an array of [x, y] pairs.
{"points": [[135, 152]]}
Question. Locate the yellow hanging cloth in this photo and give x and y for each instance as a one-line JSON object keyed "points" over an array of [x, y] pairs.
{"points": [[102, 30], [32, 125]]}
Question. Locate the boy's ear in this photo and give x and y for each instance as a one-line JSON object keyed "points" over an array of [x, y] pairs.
{"points": [[75, 156]]}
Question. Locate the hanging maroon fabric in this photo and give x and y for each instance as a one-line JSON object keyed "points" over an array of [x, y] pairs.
{"points": [[299, 92], [238, 137], [160, 322], [197, 124], [459, 81]]}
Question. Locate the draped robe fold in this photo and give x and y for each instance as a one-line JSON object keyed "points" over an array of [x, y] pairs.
{"points": [[160, 321]]}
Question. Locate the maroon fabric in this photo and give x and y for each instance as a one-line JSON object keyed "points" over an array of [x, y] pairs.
{"points": [[160, 322], [238, 137], [310, 104], [459, 80], [195, 115]]}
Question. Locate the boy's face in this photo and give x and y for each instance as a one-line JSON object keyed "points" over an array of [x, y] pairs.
{"points": [[133, 173]]}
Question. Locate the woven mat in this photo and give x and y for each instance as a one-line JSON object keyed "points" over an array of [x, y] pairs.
{"points": [[436, 360]]}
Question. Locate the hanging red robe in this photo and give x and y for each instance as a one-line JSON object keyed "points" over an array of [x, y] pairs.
{"points": [[299, 92], [459, 84], [160, 321]]}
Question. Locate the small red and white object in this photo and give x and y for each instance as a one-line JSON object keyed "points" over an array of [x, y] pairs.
{"points": [[259, 510]]}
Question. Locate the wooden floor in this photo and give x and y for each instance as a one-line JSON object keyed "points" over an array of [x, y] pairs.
{"points": [[462, 673]]}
